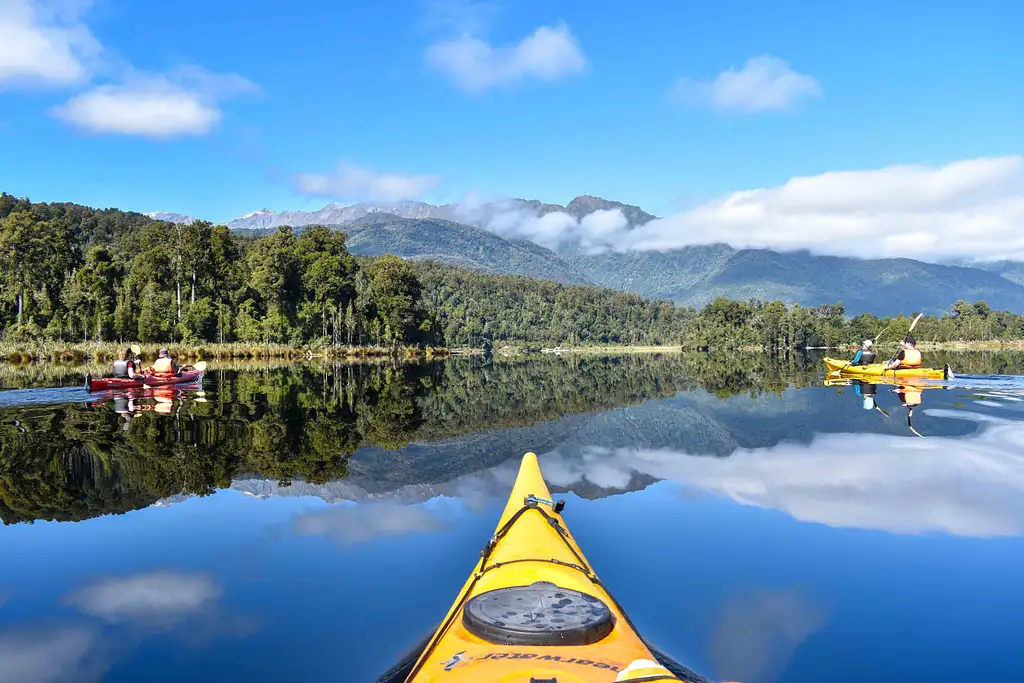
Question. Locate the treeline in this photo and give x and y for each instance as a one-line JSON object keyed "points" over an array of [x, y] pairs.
{"points": [[773, 326], [71, 273]]}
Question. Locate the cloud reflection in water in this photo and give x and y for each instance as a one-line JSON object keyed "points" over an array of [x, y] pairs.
{"points": [[967, 487], [50, 654]]}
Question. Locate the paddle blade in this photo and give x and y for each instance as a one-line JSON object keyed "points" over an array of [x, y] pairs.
{"points": [[200, 366], [136, 349], [914, 324]]}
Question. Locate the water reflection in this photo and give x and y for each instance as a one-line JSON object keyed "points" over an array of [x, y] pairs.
{"points": [[48, 654], [232, 529], [908, 391], [757, 632], [411, 432]]}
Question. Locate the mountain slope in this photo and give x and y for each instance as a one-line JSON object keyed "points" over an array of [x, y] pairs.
{"points": [[691, 275], [1011, 270], [171, 217], [336, 214], [376, 234], [696, 275], [339, 214], [584, 205]]}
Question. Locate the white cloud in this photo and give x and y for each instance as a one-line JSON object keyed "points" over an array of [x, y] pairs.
{"points": [[52, 655], [159, 596], [182, 102], [353, 523], [972, 208], [765, 83], [46, 43], [514, 220], [871, 481], [43, 43], [965, 209], [354, 183], [548, 54]]}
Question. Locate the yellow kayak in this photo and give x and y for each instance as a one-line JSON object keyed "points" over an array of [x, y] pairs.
{"points": [[843, 368], [533, 611]]}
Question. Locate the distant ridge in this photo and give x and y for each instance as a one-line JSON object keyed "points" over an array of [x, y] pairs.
{"points": [[171, 217], [692, 275]]}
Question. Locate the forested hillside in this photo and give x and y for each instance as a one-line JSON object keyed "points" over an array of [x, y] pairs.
{"points": [[459, 245], [689, 276], [695, 276], [472, 307]]}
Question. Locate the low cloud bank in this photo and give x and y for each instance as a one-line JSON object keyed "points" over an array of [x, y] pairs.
{"points": [[966, 209]]}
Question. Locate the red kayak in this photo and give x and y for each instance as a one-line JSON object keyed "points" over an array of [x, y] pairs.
{"points": [[114, 383]]}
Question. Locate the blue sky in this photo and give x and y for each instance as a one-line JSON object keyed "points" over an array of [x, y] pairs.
{"points": [[215, 109]]}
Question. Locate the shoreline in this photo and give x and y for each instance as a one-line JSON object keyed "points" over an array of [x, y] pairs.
{"points": [[85, 352], [102, 352]]}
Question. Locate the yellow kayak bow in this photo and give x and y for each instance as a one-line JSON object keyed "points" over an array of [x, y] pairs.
{"points": [[534, 611]]}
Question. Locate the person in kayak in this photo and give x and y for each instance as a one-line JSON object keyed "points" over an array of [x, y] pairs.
{"points": [[164, 365], [125, 366], [908, 357], [865, 354]]}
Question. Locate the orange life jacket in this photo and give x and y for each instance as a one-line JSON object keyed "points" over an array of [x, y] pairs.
{"points": [[911, 395], [911, 358], [163, 366]]}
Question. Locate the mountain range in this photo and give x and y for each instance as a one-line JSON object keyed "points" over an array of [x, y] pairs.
{"points": [[171, 217], [486, 237]]}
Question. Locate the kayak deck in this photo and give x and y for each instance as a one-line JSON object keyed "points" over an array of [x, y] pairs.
{"points": [[533, 609], [843, 367]]}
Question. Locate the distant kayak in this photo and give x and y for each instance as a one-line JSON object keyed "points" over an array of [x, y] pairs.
{"points": [[844, 368], [114, 383], [533, 610]]}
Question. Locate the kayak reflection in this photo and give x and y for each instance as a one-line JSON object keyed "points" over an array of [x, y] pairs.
{"points": [[910, 395], [908, 392], [163, 400]]}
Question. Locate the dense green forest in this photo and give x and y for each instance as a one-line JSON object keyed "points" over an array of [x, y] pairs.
{"points": [[69, 273], [772, 326]]}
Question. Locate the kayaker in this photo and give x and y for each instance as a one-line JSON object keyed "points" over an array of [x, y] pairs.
{"points": [[908, 357], [865, 354], [124, 366], [164, 365]]}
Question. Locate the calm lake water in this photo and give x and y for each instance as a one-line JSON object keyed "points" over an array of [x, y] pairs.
{"points": [[310, 523]]}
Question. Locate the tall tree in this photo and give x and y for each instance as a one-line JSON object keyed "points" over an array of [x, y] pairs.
{"points": [[395, 295]]}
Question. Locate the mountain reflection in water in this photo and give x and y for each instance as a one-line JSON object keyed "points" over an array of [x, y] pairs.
{"points": [[411, 432], [231, 533]]}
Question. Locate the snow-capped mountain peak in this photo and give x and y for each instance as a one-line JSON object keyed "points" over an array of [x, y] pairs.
{"points": [[170, 217]]}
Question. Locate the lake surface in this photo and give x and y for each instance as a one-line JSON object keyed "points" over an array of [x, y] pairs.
{"points": [[311, 523]]}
